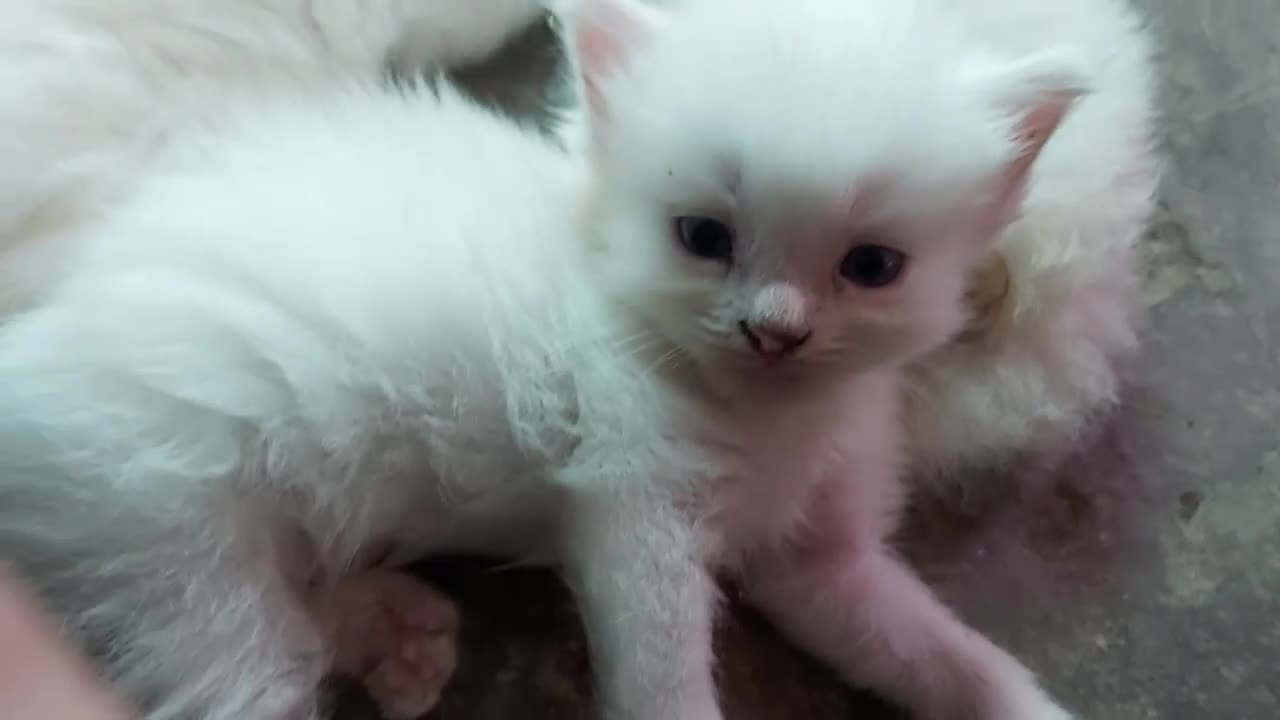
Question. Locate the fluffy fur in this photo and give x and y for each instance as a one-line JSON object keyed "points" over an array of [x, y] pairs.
{"points": [[320, 317], [1057, 309], [91, 91]]}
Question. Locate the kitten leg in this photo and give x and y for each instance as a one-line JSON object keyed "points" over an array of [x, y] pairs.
{"points": [[647, 604], [394, 632], [852, 603]]}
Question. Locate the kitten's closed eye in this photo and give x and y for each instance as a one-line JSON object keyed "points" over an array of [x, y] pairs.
{"points": [[873, 266], [705, 237]]}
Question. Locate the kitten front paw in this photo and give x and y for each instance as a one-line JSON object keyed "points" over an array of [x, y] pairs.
{"points": [[1034, 704], [395, 633], [1049, 712], [417, 660]]}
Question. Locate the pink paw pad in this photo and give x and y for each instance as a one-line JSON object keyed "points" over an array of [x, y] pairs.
{"points": [[396, 634], [417, 650]]}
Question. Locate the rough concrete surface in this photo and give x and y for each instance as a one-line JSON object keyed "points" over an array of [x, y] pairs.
{"points": [[1176, 618]]}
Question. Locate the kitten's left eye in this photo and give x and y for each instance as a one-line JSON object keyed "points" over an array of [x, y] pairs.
{"points": [[873, 266], [705, 237]]}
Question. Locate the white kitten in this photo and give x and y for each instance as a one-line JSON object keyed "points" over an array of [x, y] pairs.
{"points": [[100, 99], [328, 318], [836, 170]]}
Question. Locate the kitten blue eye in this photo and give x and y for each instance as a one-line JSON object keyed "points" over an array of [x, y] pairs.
{"points": [[873, 266], [705, 238]]}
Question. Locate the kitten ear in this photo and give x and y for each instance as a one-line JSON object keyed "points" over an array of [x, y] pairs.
{"points": [[604, 33], [1034, 96]]}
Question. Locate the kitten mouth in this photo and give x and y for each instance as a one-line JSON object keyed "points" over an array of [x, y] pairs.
{"points": [[734, 376], [773, 369], [734, 371]]}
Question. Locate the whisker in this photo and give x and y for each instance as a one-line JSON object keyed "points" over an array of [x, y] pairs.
{"points": [[625, 344], [636, 343], [669, 358]]}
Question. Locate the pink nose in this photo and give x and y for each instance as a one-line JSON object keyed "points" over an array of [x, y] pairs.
{"points": [[773, 341]]}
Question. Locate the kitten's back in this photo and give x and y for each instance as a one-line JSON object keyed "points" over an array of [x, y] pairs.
{"points": [[91, 91], [367, 214]]}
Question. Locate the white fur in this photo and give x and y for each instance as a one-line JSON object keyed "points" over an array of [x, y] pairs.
{"points": [[266, 341], [1069, 326], [90, 90], [324, 315]]}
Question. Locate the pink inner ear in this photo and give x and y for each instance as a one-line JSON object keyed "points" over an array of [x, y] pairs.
{"points": [[1033, 131], [596, 50], [606, 32], [599, 47], [1036, 127]]}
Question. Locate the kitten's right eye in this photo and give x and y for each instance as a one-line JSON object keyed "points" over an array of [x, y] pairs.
{"points": [[705, 238]]}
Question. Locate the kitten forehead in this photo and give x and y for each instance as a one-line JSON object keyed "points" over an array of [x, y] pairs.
{"points": [[810, 92]]}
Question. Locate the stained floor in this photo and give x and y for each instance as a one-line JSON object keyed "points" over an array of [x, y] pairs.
{"points": [[1153, 590]]}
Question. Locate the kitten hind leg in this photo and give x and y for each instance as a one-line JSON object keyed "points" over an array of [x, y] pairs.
{"points": [[395, 633]]}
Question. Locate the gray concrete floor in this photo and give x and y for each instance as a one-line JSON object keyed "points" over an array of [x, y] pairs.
{"points": [[1176, 618], [1204, 640]]}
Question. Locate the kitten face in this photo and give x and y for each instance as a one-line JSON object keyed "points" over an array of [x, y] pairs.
{"points": [[794, 191]]}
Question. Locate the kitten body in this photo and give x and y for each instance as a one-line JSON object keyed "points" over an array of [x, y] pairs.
{"points": [[301, 340], [335, 317]]}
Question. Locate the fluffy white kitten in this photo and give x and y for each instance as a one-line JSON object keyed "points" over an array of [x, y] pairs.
{"points": [[325, 318]]}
